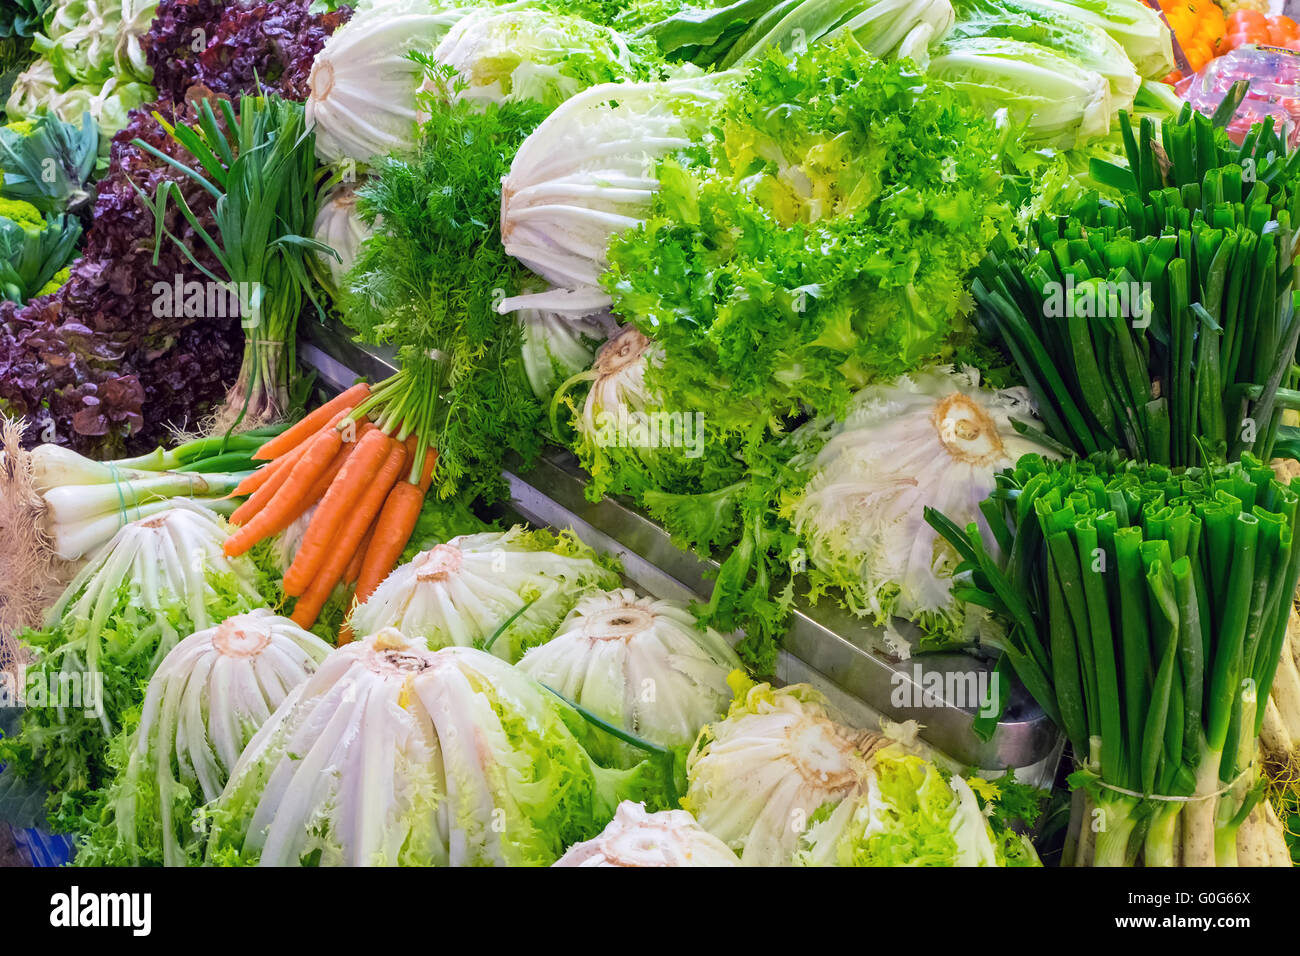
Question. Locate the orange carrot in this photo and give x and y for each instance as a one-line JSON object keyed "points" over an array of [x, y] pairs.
{"points": [[298, 433], [279, 471], [393, 529], [345, 634], [322, 484], [353, 479], [279, 512], [276, 473], [257, 479], [354, 566], [426, 473], [353, 530]]}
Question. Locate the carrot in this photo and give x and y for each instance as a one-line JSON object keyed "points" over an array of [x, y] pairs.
{"points": [[278, 513], [353, 531], [426, 473], [393, 529], [297, 434], [354, 566], [322, 484], [257, 479], [276, 473], [345, 634], [359, 472]]}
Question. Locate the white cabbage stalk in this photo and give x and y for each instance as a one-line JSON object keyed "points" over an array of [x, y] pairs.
{"points": [[205, 702], [1138, 28], [170, 568], [558, 345], [638, 838], [466, 590], [756, 778], [908, 814], [394, 755], [363, 82], [510, 55], [1061, 103], [932, 439], [588, 173], [339, 226], [643, 665]]}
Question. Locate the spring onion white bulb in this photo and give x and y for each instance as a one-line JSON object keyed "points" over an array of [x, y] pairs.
{"points": [[643, 665], [205, 702], [391, 754], [636, 837], [757, 777], [934, 438], [466, 590]]}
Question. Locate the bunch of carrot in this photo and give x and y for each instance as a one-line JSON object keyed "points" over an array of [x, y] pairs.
{"points": [[368, 482]]}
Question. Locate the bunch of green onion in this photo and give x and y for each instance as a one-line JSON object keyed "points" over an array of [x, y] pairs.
{"points": [[1147, 611], [1162, 325], [259, 165], [86, 502]]}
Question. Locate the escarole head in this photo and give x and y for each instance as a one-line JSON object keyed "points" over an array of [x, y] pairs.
{"points": [[755, 777], [644, 665], [967, 431], [637, 838]]}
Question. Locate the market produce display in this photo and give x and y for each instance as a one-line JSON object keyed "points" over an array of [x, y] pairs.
{"points": [[956, 326], [205, 701]]}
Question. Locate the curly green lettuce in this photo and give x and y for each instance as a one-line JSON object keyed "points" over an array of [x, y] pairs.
{"points": [[891, 178], [158, 581], [911, 813]]}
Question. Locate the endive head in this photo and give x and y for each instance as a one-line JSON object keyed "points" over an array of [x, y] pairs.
{"points": [[756, 777], [502, 591], [637, 838], [644, 665]]}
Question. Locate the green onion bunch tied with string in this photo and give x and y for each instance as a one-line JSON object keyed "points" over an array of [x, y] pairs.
{"points": [[257, 161], [1147, 609]]}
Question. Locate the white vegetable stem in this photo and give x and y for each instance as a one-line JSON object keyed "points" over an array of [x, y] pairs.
{"points": [[207, 699], [641, 664], [588, 172]]}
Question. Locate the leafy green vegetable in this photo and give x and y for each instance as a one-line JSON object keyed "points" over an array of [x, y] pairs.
{"points": [[430, 279], [156, 582], [891, 178], [912, 814], [466, 590], [49, 163], [465, 761], [33, 249], [207, 699], [539, 55]]}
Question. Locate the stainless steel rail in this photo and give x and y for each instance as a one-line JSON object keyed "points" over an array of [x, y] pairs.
{"points": [[864, 674]]}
